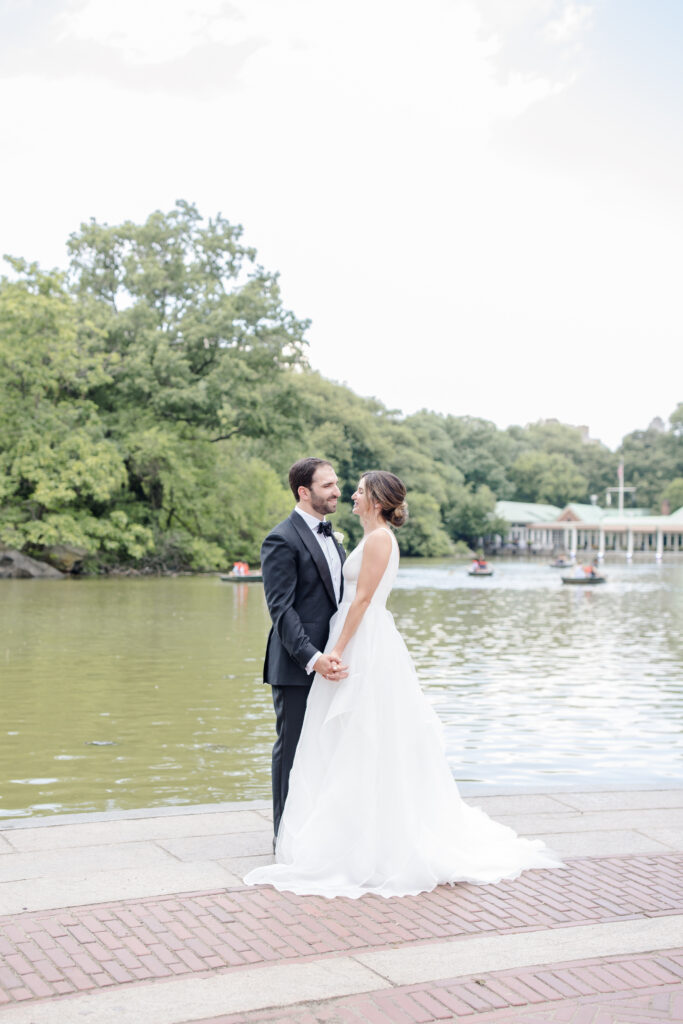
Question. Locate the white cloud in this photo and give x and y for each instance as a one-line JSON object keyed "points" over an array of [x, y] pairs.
{"points": [[152, 31], [418, 176], [572, 22]]}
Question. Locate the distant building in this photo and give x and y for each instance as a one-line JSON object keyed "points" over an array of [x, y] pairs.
{"points": [[577, 527], [521, 517]]}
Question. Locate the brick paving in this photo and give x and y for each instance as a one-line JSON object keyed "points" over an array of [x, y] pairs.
{"points": [[53, 953], [609, 990]]}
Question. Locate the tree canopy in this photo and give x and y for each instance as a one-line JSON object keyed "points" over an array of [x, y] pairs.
{"points": [[153, 396]]}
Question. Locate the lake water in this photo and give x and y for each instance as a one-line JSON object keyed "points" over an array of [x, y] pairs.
{"points": [[122, 693]]}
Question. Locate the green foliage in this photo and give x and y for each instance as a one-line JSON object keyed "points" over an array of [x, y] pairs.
{"points": [[473, 517], [128, 388], [153, 398], [423, 534], [595, 463], [63, 476], [541, 477], [201, 334], [653, 458], [676, 421], [483, 453], [673, 494]]}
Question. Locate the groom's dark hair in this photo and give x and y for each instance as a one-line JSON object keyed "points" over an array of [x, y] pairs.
{"points": [[302, 472]]}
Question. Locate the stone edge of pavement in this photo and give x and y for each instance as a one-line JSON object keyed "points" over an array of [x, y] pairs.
{"points": [[470, 792]]}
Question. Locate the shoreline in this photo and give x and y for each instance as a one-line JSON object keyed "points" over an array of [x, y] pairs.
{"points": [[132, 572], [470, 792]]}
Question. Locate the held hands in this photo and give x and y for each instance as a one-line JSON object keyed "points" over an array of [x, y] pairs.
{"points": [[330, 667]]}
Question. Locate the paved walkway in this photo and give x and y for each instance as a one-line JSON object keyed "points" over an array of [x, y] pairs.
{"points": [[142, 917]]}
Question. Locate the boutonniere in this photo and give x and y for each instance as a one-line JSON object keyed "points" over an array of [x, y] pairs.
{"points": [[338, 536]]}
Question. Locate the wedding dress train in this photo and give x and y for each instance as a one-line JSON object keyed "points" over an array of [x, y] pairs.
{"points": [[372, 805]]}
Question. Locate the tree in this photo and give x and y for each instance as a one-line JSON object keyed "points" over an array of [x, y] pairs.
{"points": [[652, 459], [203, 338], [204, 352], [676, 421], [592, 459], [673, 494], [424, 535], [472, 519], [553, 479], [483, 453], [63, 476], [131, 387]]}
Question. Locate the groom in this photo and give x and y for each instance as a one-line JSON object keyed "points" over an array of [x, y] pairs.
{"points": [[301, 563]]}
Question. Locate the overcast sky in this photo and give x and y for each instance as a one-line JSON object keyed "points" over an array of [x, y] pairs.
{"points": [[477, 202]]}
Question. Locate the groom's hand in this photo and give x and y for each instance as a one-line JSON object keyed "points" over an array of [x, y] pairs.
{"points": [[330, 666]]}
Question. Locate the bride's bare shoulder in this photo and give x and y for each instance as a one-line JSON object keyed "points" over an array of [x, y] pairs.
{"points": [[378, 542]]}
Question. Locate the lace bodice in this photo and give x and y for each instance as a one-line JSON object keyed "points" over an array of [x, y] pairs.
{"points": [[352, 569]]}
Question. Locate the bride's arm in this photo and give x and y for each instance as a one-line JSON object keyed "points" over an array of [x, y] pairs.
{"points": [[376, 554]]}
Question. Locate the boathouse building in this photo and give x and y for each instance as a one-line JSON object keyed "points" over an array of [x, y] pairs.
{"points": [[576, 528]]}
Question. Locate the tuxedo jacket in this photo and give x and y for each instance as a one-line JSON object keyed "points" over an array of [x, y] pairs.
{"points": [[300, 598]]}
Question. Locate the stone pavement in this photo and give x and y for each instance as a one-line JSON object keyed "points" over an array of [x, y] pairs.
{"points": [[141, 918]]}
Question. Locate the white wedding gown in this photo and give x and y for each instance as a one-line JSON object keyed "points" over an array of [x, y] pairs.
{"points": [[372, 805]]}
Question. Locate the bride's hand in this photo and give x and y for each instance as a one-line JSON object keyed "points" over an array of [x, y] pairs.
{"points": [[339, 671], [330, 666]]}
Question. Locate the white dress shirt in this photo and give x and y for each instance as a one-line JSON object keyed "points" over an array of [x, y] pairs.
{"points": [[329, 549]]}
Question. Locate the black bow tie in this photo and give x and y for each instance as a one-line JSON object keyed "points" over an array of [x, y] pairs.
{"points": [[325, 528]]}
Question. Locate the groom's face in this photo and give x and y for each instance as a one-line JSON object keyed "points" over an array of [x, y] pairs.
{"points": [[323, 494]]}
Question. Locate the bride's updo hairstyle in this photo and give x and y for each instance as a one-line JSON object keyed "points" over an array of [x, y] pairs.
{"points": [[389, 493]]}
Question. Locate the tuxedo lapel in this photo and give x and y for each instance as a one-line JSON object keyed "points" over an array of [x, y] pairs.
{"points": [[315, 551], [342, 555]]}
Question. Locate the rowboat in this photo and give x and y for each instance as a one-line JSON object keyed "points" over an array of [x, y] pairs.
{"points": [[480, 572], [250, 577], [584, 581]]}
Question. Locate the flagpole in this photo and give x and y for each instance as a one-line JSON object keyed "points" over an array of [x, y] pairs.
{"points": [[620, 476]]}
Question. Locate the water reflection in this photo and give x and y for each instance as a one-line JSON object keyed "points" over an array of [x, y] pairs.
{"points": [[131, 693], [536, 682], [141, 692]]}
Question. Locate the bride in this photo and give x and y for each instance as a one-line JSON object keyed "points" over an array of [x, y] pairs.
{"points": [[372, 805]]}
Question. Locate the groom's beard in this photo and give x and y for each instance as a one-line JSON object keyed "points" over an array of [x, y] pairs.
{"points": [[323, 506]]}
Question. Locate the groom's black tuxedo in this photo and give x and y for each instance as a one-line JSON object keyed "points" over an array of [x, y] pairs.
{"points": [[301, 601]]}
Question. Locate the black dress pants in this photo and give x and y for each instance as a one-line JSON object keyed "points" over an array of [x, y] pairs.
{"points": [[290, 707]]}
